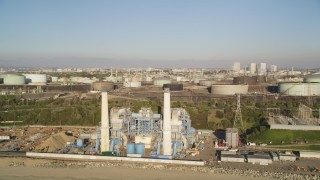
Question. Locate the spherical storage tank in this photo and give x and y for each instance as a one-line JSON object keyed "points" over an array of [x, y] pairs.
{"points": [[229, 89], [300, 89], [161, 81], [13, 79], [36, 78]]}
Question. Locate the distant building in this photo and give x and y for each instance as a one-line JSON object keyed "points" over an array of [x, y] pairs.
{"points": [[236, 67], [273, 68], [263, 69], [253, 68]]}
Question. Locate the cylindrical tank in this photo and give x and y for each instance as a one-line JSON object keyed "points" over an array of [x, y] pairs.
{"points": [[1, 78], [75, 79], [132, 84], [12, 79], [250, 80], [174, 87], [139, 148], [102, 86], [79, 142], [197, 80], [161, 81], [40, 79], [300, 89], [130, 148], [54, 79], [312, 78], [229, 89]]}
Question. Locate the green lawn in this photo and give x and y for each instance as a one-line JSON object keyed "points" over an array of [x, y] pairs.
{"points": [[309, 147], [288, 136]]}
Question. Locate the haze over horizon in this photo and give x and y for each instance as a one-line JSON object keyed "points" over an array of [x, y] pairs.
{"points": [[167, 33]]}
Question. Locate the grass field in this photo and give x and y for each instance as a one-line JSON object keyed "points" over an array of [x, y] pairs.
{"points": [[287, 136], [309, 147]]}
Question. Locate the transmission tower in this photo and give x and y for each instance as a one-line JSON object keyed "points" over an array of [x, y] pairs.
{"points": [[238, 116]]}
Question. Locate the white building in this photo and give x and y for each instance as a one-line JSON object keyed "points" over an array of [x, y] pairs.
{"points": [[236, 67], [253, 68], [263, 69], [273, 68]]}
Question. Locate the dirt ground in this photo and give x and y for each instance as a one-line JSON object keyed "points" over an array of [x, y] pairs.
{"points": [[28, 169]]}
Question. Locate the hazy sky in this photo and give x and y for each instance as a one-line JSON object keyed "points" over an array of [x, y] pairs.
{"points": [[162, 33]]}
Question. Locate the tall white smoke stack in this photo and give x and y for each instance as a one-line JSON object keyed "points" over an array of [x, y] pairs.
{"points": [[167, 123], [104, 123]]}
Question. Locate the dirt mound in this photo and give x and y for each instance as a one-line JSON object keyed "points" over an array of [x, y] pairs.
{"points": [[55, 142]]}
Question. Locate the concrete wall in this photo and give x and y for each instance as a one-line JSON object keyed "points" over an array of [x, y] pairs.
{"points": [[309, 154], [112, 158], [295, 127]]}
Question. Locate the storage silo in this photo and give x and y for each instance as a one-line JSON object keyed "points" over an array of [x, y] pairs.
{"points": [[315, 78], [228, 89], [14, 79], [250, 80], [300, 89], [1, 78], [36, 79]]}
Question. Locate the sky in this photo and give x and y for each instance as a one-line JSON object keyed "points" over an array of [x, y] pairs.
{"points": [[159, 33]]}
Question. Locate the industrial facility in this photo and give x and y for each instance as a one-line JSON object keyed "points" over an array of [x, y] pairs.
{"points": [[310, 87], [145, 133]]}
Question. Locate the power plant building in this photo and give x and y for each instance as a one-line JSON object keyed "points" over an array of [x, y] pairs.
{"points": [[165, 137]]}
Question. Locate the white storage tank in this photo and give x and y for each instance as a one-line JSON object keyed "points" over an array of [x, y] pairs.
{"points": [[132, 84], [14, 79], [161, 81], [54, 79], [229, 89], [37, 79], [206, 83], [315, 78], [300, 89]]}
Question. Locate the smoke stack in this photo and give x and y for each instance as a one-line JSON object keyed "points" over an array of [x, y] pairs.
{"points": [[167, 123], [104, 123]]}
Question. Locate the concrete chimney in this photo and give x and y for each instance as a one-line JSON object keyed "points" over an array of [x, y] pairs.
{"points": [[105, 144], [167, 150]]}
